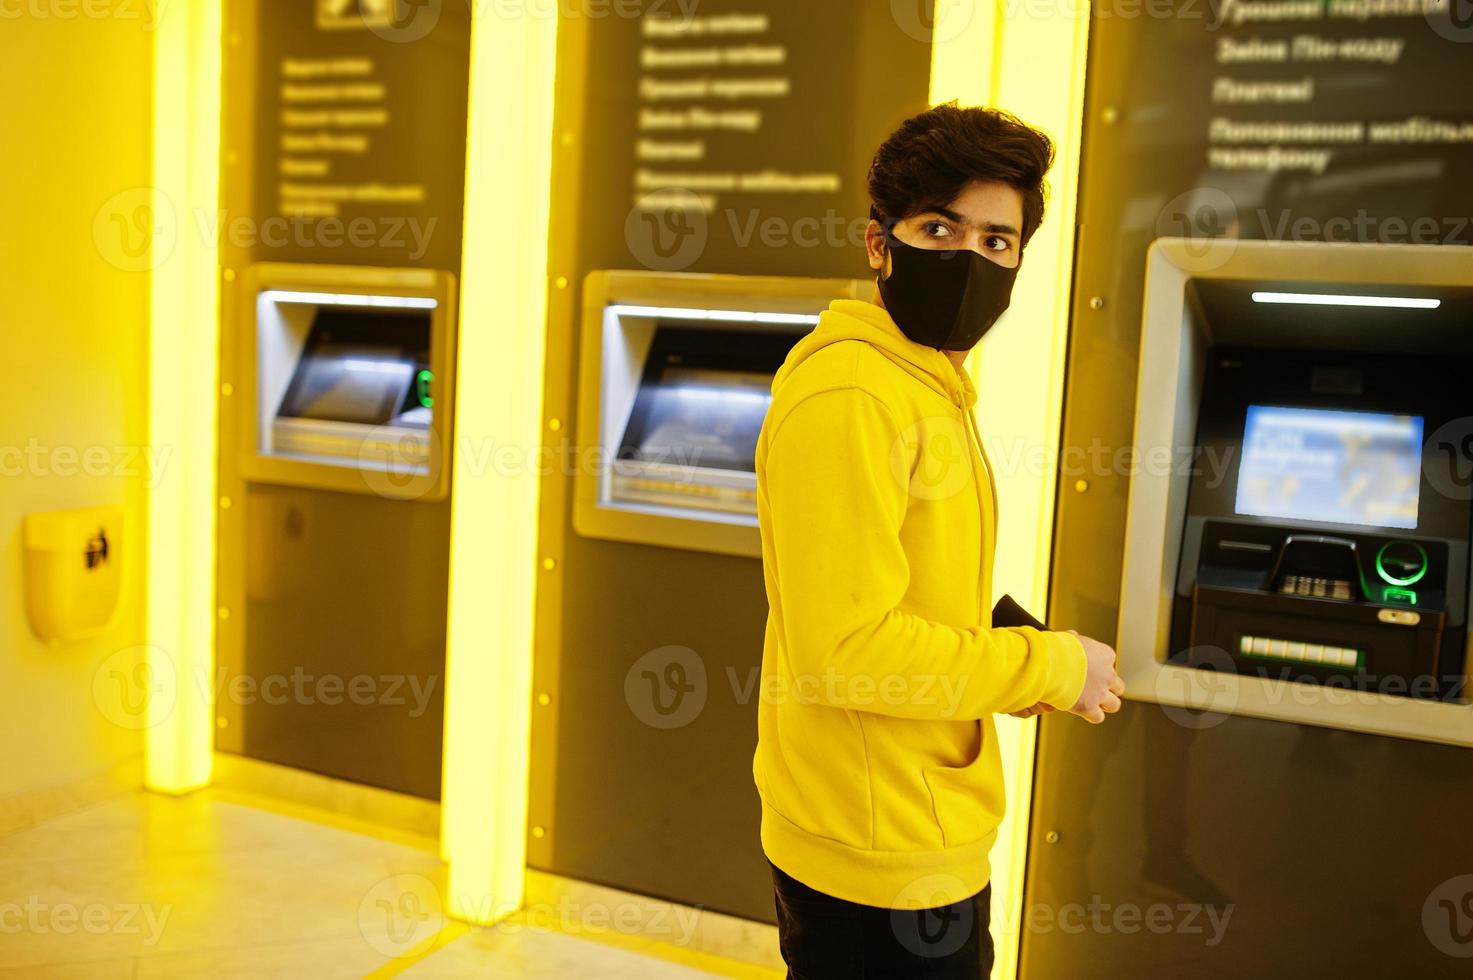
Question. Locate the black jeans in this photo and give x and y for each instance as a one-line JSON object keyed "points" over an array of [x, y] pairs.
{"points": [[827, 938]]}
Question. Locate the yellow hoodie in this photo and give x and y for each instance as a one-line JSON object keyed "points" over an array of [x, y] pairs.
{"points": [[877, 758]]}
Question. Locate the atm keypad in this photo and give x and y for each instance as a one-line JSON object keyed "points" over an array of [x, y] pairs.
{"points": [[1319, 588]]}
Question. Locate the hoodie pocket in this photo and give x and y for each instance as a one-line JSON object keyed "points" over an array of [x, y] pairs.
{"points": [[967, 800]]}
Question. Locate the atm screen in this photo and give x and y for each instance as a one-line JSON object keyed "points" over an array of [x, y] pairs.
{"points": [[1357, 468], [703, 417], [358, 367]]}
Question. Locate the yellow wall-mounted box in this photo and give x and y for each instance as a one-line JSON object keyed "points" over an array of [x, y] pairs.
{"points": [[73, 571]]}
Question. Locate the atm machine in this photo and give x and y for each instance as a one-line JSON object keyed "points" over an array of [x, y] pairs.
{"points": [[675, 392], [345, 366], [1292, 623], [335, 478], [1301, 512]]}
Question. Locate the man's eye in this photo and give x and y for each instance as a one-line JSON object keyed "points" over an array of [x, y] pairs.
{"points": [[935, 229], [998, 244]]}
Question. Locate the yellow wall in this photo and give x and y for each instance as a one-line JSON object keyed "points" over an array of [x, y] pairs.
{"points": [[75, 125], [183, 370]]}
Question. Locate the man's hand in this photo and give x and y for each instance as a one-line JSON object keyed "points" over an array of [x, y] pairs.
{"points": [[1102, 686]]}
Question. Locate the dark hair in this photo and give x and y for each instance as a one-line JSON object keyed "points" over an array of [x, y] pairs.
{"points": [[934, 155]]}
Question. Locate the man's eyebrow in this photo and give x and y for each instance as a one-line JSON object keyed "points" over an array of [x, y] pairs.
{"points": [[991, 226]]}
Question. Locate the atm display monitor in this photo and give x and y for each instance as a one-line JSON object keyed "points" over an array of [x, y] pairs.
{"points": [[1339, 467], [702, 417], [360, 367]]}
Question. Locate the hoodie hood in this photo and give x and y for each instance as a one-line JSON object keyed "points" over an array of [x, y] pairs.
{"points": [[851, 319]]}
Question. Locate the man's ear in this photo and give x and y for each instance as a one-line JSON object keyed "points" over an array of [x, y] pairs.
{"points": [[874, 246]]}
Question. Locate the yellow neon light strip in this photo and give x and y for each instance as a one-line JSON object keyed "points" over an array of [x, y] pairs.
{"points": [[980, 58], [183, 373], [488, 687], [1021, 384]]}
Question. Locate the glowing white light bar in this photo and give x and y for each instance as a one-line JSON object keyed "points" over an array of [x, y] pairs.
{"points": [[733, 316], [349, 299], [1309, 653], [375, 367], [1341, 299]]}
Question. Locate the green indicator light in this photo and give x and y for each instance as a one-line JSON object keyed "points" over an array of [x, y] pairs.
{"points": [[422, 383], [1391, 579], [1395, 594]]}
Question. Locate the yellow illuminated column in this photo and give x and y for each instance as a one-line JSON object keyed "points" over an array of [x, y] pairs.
{"points": [[964, 42], [183, 373], [498, 431], [1031, 64]]}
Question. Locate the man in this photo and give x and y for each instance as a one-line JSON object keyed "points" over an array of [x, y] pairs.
{"points": [[877, 759]]}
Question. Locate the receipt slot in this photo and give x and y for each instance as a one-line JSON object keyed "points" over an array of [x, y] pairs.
{"points": [[1297, 541], [675, 381], [349, 375]]}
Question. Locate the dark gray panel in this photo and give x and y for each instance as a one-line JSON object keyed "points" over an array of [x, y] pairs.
{"points": [[421, 58], [1329, 844], [1318, 848], [341, 586], [669, 812]]}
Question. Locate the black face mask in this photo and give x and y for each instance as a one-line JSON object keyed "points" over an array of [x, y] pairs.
{"points": [[944, 298]]}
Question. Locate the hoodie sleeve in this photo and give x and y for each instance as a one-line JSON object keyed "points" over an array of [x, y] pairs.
{"points": [[835, 513]]}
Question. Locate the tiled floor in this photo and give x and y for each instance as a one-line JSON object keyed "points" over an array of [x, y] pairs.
{"points": [[220, 884]]}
